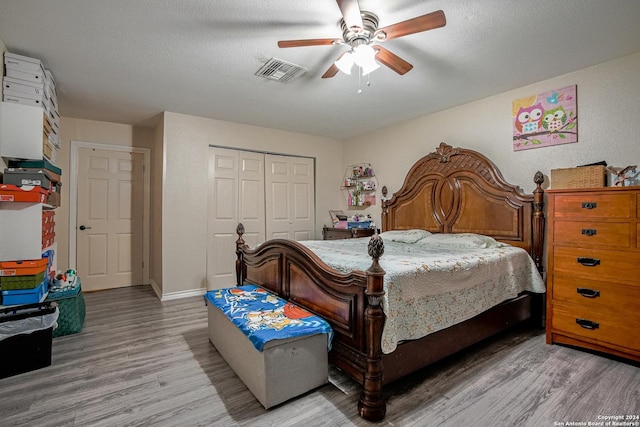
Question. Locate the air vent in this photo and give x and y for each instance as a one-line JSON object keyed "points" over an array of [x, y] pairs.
{"points": [[282, 71]]}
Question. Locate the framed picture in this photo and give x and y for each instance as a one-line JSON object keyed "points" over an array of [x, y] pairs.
{"points": [[337, 216], [549, 118]]}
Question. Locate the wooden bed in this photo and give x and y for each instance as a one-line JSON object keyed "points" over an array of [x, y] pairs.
{"points": [[451, 190]]}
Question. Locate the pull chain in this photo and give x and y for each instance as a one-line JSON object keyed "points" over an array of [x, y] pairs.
{"points": [[360, 80]]}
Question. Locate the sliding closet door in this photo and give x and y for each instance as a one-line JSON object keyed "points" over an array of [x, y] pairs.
{"points": [[235, 194], [290, 201]]}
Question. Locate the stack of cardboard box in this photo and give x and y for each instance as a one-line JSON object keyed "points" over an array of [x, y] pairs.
{"points": [[27, 82]]}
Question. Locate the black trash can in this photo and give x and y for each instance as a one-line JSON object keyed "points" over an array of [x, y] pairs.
{"points": [[26, 333]]}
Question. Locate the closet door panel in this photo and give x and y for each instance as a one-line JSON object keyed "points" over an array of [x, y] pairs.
{"points": [[236, 194], [290, 197]]}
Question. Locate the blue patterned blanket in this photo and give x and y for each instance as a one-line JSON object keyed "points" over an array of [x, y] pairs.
{"points": [[263, 316]]}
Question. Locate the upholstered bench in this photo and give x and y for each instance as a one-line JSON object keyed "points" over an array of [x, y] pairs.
{"points": [[279, 350]]}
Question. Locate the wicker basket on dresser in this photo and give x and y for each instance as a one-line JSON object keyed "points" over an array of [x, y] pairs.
{"points": [[593, 295]]}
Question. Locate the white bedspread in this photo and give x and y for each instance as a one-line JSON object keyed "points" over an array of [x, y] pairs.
{"points": [[435, 281]]}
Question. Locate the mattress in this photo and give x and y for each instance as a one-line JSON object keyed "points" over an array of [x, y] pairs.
{"points": [[434, 281]]}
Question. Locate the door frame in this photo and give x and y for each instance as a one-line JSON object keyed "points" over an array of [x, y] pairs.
{"points": [[73, 199]]}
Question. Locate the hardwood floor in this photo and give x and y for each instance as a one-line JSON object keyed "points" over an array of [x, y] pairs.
{"points": [[142, 362]]}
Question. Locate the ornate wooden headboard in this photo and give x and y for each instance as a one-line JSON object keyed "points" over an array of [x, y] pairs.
{"points": [[455, 190]]}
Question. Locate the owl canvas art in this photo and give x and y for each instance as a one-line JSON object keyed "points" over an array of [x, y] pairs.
{"points": [[554, 119], [528, 119], [550, 118]]}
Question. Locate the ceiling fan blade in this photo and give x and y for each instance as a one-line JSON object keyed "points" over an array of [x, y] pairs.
{"points": [[415, 25], [392, 60], [332, 71], [350, 13], [308, 42]]}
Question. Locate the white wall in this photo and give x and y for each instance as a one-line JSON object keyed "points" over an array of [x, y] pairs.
{"points": [[608, 129], [157, 178], [184, 211], [85, 131], [179, 146]]}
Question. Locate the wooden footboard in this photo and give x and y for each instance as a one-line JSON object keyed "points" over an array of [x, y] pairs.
{"points": [[351, 303]]}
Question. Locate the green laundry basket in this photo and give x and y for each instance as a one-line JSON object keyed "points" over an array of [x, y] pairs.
{"points": [[71, 307]]}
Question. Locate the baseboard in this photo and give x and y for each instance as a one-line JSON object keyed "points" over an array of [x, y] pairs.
{"points": [[175, 295], [156, 289], [183, 294]]}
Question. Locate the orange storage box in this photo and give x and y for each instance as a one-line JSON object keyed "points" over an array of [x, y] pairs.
{"points": [[23, 268], [30, 194]]}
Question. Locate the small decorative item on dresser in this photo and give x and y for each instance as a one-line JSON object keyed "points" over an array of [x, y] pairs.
{"points": [[623, 177]]}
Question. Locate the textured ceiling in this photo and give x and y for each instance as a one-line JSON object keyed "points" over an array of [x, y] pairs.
{"points": [[126, 61]]}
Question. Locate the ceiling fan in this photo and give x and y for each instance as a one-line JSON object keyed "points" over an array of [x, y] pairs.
{"points": [[361, 33]]}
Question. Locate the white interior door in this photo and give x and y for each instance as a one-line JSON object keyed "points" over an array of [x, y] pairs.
{"points": [[110, 214], [290, 197], [236, 194]]}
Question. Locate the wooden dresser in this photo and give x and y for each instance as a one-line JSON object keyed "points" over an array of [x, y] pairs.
{"points": [[330, 233], [593, 295]]}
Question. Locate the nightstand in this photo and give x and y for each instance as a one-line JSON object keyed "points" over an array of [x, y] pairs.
{"points": [[330, 233]]}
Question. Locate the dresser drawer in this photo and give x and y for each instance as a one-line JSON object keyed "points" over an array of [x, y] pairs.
{"points": [[336, 234], [594, 295], [620, 329], [588, 206], [344, 233], [601, 264], [592, 233], [363, 232]]}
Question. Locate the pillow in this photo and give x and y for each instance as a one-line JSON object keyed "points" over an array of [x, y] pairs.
{"points": [[404, 236], [462, 241]]}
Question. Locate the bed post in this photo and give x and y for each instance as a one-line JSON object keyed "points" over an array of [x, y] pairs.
{"points": [[240, 244], [538, 220], [385, 209], [372, 406]]}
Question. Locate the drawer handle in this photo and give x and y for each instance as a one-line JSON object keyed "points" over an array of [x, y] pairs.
{"points": [[589, 231], [588, 293], [589, 262], [589, 205], [587, 324]]}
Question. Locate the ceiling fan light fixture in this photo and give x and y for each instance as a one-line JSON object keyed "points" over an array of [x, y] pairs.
{"points": [[360, 29], [345, 62], [363, 54], [365, 58], [369, 67]]}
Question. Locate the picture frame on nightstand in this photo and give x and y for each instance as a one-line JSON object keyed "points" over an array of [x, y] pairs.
{"points": [[335, 216]]}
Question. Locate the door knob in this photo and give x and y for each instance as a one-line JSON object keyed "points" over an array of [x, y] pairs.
{"points": [[82, 227]]}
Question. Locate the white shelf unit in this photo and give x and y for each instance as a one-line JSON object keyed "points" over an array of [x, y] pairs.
{"points": [[21, 131], [20, 231], [21, 137], [359, 186]]}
